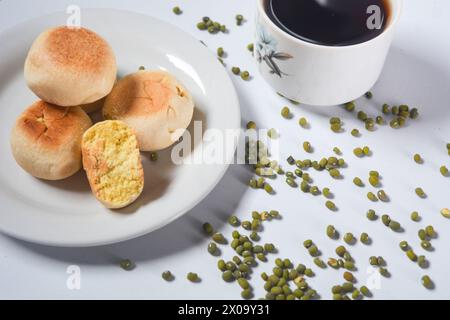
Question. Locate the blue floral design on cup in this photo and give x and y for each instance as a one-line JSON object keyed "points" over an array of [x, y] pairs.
{"points": [[266, 51]]}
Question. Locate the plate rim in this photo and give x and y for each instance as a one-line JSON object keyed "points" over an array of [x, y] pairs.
{"points": [[233, 100]]}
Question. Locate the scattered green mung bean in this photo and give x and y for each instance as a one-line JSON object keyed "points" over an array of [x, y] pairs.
{"points": [[348, 276], [415, 216], [394, 225], [371, 196], [269, 247], [374, 181], [127, 265], [358, 152], [365, 291], [236, 70], [286, 113], [167, 275], [418, 159], [251, 47], [233, 221], [369, 95], [430, 231], [268, 188], [333, 263], [330, 205], [309, 273], [373, 261], [272, 133], [245, 75], [422, 234], [358, 182], [384, 272], [371, 215], [207, 228], [427, 282], [227, 275], [444, 171], [355, 132], [350, 106], [218, 237], [386, 220], [404, 245], [243, 283], [192, 277], [411, 255], [349, 238], [239, 19], [320, 263], [307, 147], [379, 120], [340, 251], [246, 294], [177, 10], [313, 250], [331, 232], [426, 245], [445, 212], [212, 248], [364, 238], [303, 122], [422, 262], [220, 52], [382, 196], [420, 192]]}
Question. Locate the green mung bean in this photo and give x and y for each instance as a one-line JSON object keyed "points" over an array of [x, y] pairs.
{"points": [[127, 265], [427, 282], [418, 159], [349, 238], [371, 215], [355, 132], [430, 231], [372, 197], [420, 192], [285, 112], [303, 122], [207, 228], [364, 238], [382, 196], [177, 10], [404, 245], [167, 275], [411, 255], [415, 216], [307, 147], [350, 106], [193, 277], [340, 251]]}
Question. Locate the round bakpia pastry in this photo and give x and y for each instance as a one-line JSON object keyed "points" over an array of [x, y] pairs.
{"points": [[70, 66], [112, 163], [154, 104], [46, 140]]}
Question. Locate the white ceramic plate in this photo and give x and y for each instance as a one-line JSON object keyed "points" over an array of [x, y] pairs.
{"points": [[64, 213]]}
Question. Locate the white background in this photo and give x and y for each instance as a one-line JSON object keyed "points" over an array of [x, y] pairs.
{"points": [[417, 72]]}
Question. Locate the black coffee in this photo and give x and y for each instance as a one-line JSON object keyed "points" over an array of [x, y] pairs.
{"points": [[330, 22]]}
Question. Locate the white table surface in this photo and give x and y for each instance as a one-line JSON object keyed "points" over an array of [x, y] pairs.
{"points": [[417, 72]]}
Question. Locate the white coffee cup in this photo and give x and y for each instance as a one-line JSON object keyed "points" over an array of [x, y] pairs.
{"points": [[315, 74]]}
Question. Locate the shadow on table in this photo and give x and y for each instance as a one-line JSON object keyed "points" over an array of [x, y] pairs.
{"points": [[175, 237]]}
